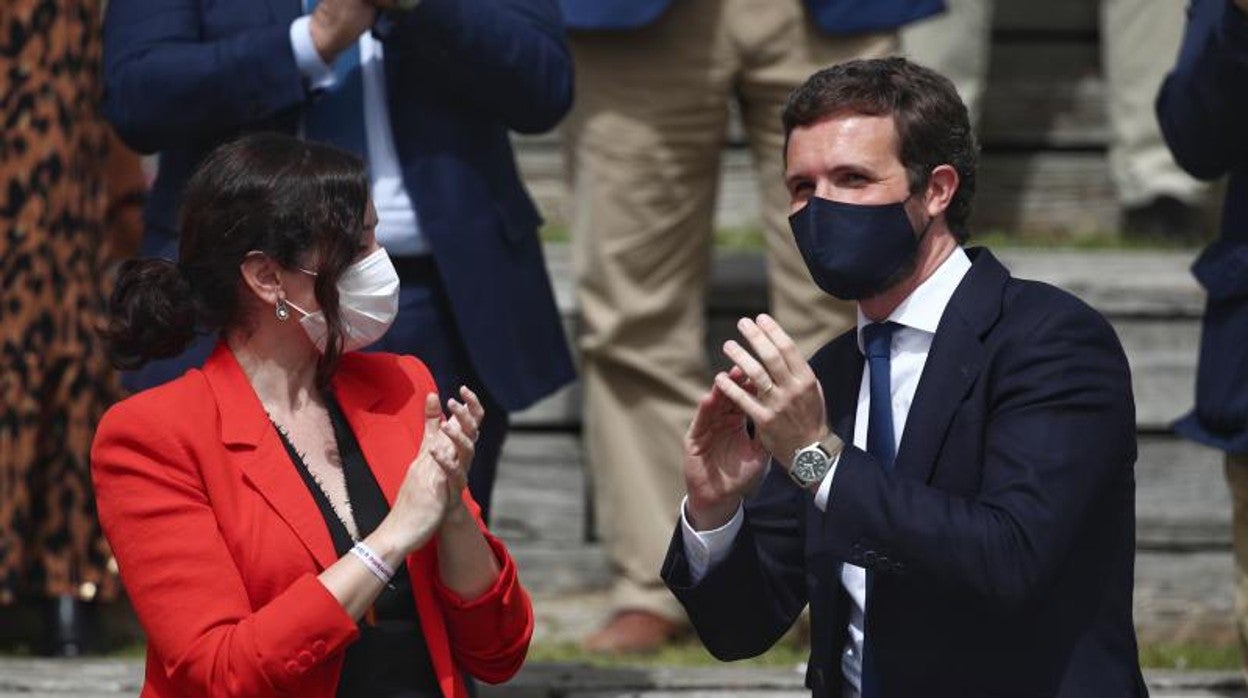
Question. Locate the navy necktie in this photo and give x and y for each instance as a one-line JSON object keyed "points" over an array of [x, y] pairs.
{"points": [[877, 342], [336, 116]]}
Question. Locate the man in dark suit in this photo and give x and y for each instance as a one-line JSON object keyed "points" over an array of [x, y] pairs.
{"points": [[426, 95], [959, 512], [655, 82], [1203, 109]]}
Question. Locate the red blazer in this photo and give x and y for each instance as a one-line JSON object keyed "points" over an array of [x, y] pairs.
{"points": [[219, 541]]}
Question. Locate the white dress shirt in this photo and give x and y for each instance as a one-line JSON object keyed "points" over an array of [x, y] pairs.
{"points": [[398, 228], [919, 315]]}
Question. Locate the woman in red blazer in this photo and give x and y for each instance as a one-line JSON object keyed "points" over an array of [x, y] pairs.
{"points": [[292, 519]]}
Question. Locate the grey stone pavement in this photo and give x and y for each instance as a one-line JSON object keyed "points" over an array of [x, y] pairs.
{"points": [[1183, 564]]}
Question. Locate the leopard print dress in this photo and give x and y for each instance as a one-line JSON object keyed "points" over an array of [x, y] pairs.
{"points": [[54, 379]]}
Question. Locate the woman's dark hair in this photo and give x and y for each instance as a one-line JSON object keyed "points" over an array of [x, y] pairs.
{"points": [[300, 203], [933, 127]]}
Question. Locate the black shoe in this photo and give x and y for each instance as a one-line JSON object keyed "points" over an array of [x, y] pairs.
{"points": [[68, 627], [1164, 219]]}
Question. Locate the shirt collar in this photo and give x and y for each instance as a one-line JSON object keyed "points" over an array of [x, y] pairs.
{"points": [[921, 310]]}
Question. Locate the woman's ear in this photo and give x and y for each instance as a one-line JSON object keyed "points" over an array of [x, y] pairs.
{"points": [[263, 276], [941, 186]]}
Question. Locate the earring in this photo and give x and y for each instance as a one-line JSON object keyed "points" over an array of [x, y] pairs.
{"points": [[280, 309]]}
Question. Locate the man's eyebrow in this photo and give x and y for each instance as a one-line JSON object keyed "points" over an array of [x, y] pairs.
{"points": [[843, 168]]}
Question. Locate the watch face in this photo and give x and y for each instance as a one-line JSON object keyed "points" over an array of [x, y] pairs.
{"points": [[807, 464]]}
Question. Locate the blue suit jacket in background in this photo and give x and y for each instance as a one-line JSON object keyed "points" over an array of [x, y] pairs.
{"points": [[1001, 543], [182, 76], [836, 17], [1203, 110]]}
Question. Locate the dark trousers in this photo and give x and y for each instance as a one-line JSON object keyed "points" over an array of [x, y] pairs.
{"points": [[425, 328]]}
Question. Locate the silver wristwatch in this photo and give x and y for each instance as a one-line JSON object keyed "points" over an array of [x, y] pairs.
{"points": [[810, 465]]}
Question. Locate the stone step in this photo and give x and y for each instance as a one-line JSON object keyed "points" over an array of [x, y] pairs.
{"points": [[22, 677], [1183, 511], [1149, 297]]}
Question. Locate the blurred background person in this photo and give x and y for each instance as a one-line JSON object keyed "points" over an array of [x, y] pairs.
{"points": [[1159, 201], [1203, 110], [654, 83], [69, 193], [427, 98], [293, 519]]}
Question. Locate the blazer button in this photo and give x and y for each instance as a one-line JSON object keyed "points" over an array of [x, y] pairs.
{"points": [[293, 669], [319, 647], [869, 557], [306, 659]]}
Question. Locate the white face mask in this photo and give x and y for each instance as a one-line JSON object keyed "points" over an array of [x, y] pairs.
{"points": [[368, 300]]}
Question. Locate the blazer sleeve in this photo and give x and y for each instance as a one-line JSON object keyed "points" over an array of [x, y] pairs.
{"points": [[507, 56], [1203, 103], [489, 635], [181, 577], [750, 599], [1060, 440], [165, 84]]}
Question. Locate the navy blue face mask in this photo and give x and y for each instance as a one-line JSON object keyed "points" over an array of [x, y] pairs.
{"points": [[855, 251]]}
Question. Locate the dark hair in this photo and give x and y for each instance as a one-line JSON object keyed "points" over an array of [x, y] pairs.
{"points": [[300, 203], [933, 127]]}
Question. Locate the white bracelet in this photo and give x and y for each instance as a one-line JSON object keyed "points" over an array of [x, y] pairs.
{"points": [[373, 562]]}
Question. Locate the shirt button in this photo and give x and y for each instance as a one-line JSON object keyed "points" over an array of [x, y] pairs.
{"points": [[306, 659]]}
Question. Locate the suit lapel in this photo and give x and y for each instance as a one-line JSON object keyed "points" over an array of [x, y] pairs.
{"points": [[388, 444], [260, 455], [839, 370], [953, 364], [841, 396]]}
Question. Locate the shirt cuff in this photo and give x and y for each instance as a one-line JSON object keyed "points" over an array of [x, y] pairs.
{"points": [[705, 549], [315, 71], [825, 487]]}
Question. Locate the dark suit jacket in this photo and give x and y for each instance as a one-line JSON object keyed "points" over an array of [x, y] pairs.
{"points": [[219, 540], [1203, 109], [836, 17], [1002, 544], [181, 76]]}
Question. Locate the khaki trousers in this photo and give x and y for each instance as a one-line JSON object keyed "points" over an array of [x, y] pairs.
{"points": [[1140, 44], [644, 144], [1237, 479]]}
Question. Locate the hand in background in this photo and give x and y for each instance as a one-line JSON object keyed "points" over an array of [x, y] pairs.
{"points": [[336, 24], [786, 403], [722, 462]]}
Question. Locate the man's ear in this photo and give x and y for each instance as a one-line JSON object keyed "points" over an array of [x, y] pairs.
{"points": [[263, 276], [941, 186]]}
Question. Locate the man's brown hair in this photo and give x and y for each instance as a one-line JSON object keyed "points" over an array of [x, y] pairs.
{"points": [[932, 124]]}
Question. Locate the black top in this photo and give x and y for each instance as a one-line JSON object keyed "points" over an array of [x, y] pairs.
{"points": [[390, 659]]}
